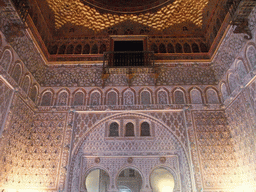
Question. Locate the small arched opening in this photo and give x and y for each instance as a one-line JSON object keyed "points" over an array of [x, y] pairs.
{"points": [[162, 180], [129, 180], [97, 181]]}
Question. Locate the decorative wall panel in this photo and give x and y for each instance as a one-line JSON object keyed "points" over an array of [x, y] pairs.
{"points": [[5, 99], [196, 96], [217, 157], [17, 72], [230, 48], [15, 163], [32, 150], [94, 142], [242, 125], [6, 59]]}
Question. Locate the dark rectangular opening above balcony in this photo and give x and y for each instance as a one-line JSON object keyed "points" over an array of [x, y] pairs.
{"points": [[129, 59]]}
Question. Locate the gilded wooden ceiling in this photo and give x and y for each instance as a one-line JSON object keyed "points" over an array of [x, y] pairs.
{"points": [[78, 13]]}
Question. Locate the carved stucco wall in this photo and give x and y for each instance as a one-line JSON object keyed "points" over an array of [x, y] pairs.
{"points": [[218, 159], [32, 153], [14, 145], [5, 98], [168, 138], [241, 118], [239, 100], [215, 150], [231, 47]]}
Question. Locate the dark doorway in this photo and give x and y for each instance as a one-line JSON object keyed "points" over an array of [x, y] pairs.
{"points": [[128, 53], [128, 46]]}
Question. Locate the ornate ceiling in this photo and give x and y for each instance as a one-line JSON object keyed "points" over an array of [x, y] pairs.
{"points": [[98, 15], [84, 29], [127, 6]]}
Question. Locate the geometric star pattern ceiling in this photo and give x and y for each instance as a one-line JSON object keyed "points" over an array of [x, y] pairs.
{"points": [[79, 14]]}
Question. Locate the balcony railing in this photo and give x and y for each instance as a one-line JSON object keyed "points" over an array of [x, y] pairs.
{"points": [[128, 59]]}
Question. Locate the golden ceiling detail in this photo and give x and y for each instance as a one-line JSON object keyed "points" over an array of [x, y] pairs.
{"points": [[127, 6], [78, 14]]}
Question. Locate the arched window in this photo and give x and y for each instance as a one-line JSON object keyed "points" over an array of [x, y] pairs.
{"points": [[162, 48], [46, 99], [128, 97], [129, 180], [187, 48], [178, 48], [145, 98], [103, 48], [232, 82], [129, 130], [6, 59], [115, 32], [170, 48], [154, 48], [144, 129], [195, 96], [94, 49], [162, 97], [53, 50], [86, 49], [95, 98], [63, 99], [251, 56], [224, 91], [158, 176], [195, 48], [112, 98], [78, 49], [33, 93], [62, 49], [70, 49], [97, 179], [203, 48], [16, 72], [26, 84], [241, 71], [212, 96], [79, 98], [114, 130], [179, 97]]}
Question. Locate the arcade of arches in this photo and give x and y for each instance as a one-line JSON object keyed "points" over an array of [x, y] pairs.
{"points": [[72, 122]]}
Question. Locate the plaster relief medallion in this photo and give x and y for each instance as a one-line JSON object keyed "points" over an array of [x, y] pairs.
{"points": [[97, 160], [130, 160], [162, 159]]}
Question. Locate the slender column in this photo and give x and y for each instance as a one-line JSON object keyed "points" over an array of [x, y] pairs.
{"points": [[112, 190], [146, 190]]}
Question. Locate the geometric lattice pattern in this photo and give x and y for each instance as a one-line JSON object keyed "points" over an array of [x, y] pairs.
{"points": [[16, 165], [242, 129], [83, 15], [33, 147], [5, 97], [94, 142], [218, 162], [175, 121]]}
